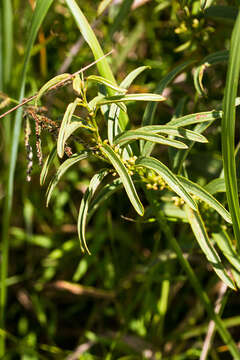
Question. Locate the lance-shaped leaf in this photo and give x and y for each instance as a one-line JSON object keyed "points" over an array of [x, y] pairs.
{"points": [[106, 82], [83, 210], [54, 81], [201, 236], [203, 195], [195, 118], [168, 176], [124, 176], [131, 97], [47, 165], [132, 76], [133, 135], [62, 169], [225, 245], [65, 122], [215, 186], [168, 130]]}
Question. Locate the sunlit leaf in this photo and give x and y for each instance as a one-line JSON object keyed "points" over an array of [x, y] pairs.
{"points": [[124, 176], [106, 82], [203, 195], [168, 176], [49, 84], [133, 135]]}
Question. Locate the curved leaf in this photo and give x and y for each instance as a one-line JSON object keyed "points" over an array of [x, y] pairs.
{"points": [[197, 190], [168, 176], [47, 164], [173, 131], [83, 210], [65, 122], [125, 177], [131, 97], [54, 81], [133, 135], [201, 236], [195, 118], [132, 76], [62, 169], [106, 82], [225, 245]]}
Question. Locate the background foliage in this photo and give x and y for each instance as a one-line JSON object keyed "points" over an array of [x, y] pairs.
{"points": [[131, 299]]}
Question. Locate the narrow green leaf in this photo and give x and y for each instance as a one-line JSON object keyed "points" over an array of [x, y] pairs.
{"points": [[211, 254], [124, 176], [62, 169], [173, 131], [106, 82], [54, 81], [168, 176], [47, 165], [131, 97], [203, 195], [195, 118], [132, 76], [228, 129], [225, 245], [133, 135], [83, 210], [65, 122]]}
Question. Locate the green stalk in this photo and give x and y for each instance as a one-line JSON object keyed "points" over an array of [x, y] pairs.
{"points": [[223, 332], [228, 130]]}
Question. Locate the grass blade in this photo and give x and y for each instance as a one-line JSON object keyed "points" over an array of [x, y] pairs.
{"points": [[228, 130]]}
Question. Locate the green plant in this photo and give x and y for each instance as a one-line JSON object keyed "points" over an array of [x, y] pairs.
{"points": [[99, 128]]}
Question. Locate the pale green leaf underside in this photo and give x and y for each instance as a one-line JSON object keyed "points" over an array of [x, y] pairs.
{"points": [[49, 84], [47, 165], [224, 243]]}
